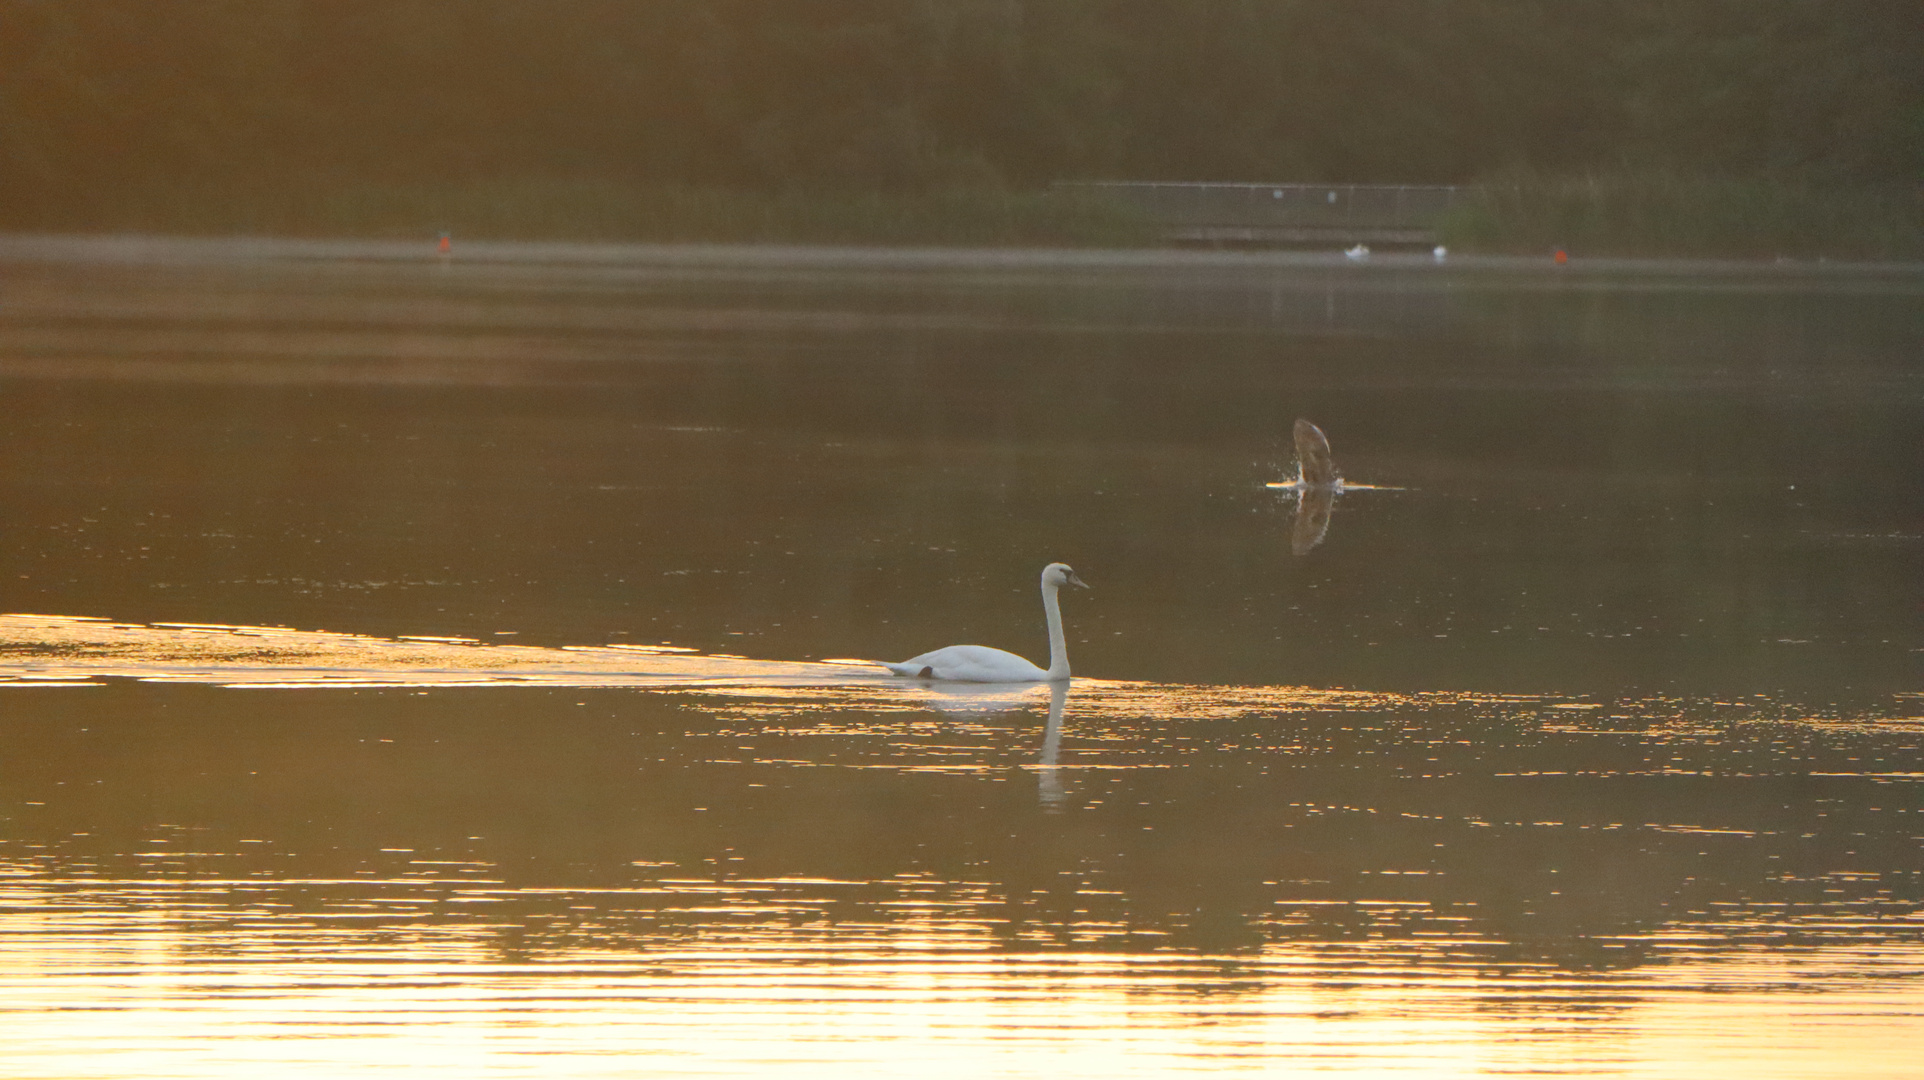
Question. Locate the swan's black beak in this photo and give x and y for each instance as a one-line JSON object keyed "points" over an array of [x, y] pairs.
{"points": [[1076, 581]]}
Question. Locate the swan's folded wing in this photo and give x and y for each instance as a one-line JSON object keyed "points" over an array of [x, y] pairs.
{"points": [[970, 663]]}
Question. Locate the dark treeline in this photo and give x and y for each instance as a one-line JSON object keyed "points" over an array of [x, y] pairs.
{"points": [[102, 97]]}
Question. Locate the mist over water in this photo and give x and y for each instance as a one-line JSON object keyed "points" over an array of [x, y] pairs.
{"points": [[1588, 743]]}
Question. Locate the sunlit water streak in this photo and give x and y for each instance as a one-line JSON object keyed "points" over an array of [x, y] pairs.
{"points": [[58, 650], [45, 649], [196, 984]]}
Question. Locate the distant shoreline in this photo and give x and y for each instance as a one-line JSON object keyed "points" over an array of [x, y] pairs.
{"points": [[161, 250]]}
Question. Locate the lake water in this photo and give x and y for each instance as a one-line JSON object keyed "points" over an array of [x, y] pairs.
{"points": [[440, 668]]}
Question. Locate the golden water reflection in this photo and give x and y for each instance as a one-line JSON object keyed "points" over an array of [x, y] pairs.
{"points": [[64, 650], [44, 649], [206, 993], [464, 859]]}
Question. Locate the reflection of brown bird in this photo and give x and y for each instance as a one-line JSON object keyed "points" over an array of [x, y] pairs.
{"points": [[1313, 465], [1313, 506]]}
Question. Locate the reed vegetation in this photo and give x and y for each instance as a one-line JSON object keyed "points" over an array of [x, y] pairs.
{"points": [[602, 210], [1662, 213]]}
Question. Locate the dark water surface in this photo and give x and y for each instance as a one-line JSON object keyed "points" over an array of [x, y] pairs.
{"points": [[1589, 743]]}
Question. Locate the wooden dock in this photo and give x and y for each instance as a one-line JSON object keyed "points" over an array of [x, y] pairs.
{"points": [[1284, 214]]}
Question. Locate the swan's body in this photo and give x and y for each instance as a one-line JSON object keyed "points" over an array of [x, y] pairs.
{"points": [[982, 664], [972, 663]]}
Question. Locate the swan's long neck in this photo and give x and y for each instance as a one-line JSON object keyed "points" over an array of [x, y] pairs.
{"points": [[1058, 645]]}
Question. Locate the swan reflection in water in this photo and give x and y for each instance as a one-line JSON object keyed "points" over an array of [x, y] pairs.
{"points": [[986, 699], [1048, 781]]}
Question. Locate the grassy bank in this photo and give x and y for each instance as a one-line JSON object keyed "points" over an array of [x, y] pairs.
{"points": [[549, 209], [1651, 215], [1661, 214]]}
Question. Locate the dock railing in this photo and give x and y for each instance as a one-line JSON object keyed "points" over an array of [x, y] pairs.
{"points": [[1283, 213]]}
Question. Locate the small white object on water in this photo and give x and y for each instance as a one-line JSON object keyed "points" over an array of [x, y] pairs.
{"points": [[1439, 253], [1359, 253]]}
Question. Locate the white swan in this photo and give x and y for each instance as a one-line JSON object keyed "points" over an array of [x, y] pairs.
{"points": [[979, 663]]}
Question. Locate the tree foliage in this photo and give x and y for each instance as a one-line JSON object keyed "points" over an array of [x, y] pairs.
{"points": [[101, 96]]}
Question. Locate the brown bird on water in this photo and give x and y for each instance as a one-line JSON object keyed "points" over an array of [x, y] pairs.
{"points": [[1314, 467]]}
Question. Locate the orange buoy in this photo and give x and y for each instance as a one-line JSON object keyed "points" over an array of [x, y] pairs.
{"points": [[1560, 256]]}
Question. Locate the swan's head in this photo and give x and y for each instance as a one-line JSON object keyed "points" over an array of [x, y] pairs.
{"points": [[1056, 575]]}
